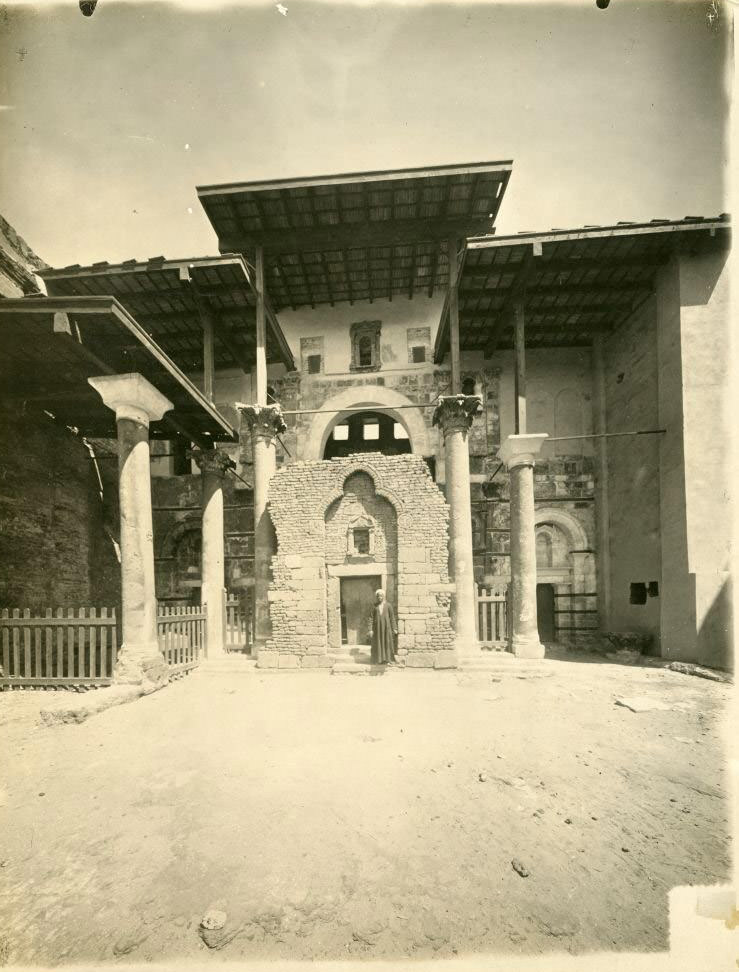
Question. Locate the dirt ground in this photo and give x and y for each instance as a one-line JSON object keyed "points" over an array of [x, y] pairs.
{"points": [[335, 817]]}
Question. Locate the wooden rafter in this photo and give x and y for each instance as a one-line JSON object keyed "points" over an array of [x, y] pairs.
{"points": [[412, 281]]}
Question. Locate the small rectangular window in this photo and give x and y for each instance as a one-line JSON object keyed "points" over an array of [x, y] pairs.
{"points": [[361, 540], [637, 593], [371, 431], [418, 354], [314, 364], [399, 431], [341, 433]]}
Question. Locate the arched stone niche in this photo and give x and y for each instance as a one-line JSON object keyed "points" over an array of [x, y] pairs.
{"points": [[313, 506]]}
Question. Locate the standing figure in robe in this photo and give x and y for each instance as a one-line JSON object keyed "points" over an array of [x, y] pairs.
{"points": [[383, 630]]}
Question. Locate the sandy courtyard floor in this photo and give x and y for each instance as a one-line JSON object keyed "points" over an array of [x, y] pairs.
{"points": [[334, 817]]}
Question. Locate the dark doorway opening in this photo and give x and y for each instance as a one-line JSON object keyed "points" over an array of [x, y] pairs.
{"points": [[367, 432], [357, 599], [545, 612]]}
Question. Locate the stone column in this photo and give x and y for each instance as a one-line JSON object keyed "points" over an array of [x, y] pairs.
{"points": [[136, 402], [454, 415], [213, 466], [265, 423], [519, 452]]}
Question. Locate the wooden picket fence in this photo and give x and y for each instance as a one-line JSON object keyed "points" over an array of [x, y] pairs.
{"points": [[492, 616], [182, 631], [62, 648], [236, 627]]}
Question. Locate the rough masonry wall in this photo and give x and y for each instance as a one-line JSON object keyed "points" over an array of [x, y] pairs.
{"points": [[300, 498], [631, 377], [56, 532]]}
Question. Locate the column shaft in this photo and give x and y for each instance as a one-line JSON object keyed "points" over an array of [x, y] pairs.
{"points": [[265, 463], [138, 593], [265, 423], [136, 403], [454, 414], [524, 630], [518, 453]]}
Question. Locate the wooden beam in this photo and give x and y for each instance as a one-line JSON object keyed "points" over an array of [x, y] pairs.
{"points": [[412, 281], [374, 233], [345, 263], [261, 332], [454, 314], [563, 290], [519, 332], [564, 265]]}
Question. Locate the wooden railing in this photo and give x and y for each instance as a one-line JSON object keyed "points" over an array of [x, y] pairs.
{"points": [[492, 616], [182, 630], [59, 648], [236, 633]]}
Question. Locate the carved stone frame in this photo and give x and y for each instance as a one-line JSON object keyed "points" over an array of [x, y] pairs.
{"points": [[359, 330]]}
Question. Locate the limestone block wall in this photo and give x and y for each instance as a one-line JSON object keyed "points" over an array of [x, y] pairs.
{"points": [[311, 505]]}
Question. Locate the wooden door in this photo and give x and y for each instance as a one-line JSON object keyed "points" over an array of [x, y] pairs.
{"points": [[357, 600], [545, 612]]}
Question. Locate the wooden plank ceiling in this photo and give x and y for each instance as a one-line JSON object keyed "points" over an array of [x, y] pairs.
{"points": [[356, 237], [166, 298], [51, 346], [573, 283]]}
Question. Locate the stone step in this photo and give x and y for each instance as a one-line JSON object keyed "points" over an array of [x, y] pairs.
{"points": [[231, 664], [354, 668], [499, 662]]}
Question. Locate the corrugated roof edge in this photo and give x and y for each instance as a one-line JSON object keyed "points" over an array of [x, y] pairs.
{"points": [[377, 175], [722, 221]]}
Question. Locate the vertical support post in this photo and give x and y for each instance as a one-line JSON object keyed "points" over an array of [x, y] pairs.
{"points": [[208, 356], [454, 414], [261, 346], [213, 466], [454, 314], [602, 513], [519, 342], [136, 402], [519, 452], [265, 423]]}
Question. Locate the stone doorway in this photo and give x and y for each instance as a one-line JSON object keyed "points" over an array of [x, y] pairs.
{"points": [[357, 598], [545, 612]]}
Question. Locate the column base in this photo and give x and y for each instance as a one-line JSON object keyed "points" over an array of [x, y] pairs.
{"points": [[142, 664], [467, 648], [527, 648]]}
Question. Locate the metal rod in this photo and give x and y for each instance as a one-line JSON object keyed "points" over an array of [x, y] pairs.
{"points": [[357, 408], [604, 435], [234, 473]]}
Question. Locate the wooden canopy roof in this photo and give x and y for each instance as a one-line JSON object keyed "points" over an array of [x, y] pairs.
{"points": [[357, 236], [52, 345], [168, 297], [573, 283]]}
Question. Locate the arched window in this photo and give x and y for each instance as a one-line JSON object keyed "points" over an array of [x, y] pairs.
{"points": [[367, 432], [468, 386]]}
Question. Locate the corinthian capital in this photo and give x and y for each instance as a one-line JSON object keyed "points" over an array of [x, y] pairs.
{"points": [[264, 421], [212, 461], [454, 413]]}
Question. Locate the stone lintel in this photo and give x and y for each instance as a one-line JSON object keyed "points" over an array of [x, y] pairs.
{"points": [[264, 421], [131, 396], [212, 461], [521, 450], [455, 413]]}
